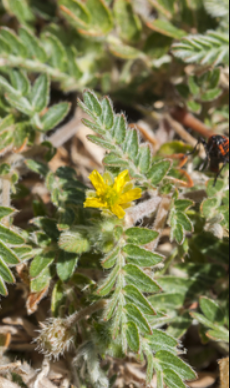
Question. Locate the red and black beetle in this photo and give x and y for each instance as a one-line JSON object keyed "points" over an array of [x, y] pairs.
{"points": [[217, 150]]}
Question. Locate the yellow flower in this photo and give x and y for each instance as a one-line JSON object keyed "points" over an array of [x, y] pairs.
{"points": [[114, 195]]}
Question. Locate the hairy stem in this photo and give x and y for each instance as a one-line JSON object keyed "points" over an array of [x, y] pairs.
{"points": [[80, 315], [6, 187], [160, 221]]}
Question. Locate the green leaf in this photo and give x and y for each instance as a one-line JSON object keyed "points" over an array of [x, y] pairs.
{"points": [[167, 301], [58, 298], [34, 48], [73, 68], [48, 226], [124, 51], [172, 380], [158, 171], [194, 106], [168, 360], [79, 14], [4, 85], [4, 169], [218, 335], [15, 44], [179, 326], [3, 289], [184, 221], [8, 121], [20, 81], [40, 93], [211, 95], [4, 46], [56, 52], [130, 145], [183, 204], [166, 7], [110, 259], [177, 233], [66, 265], [101, 17], [92, 103], [141, 257], [138, 278], [6, 140], [94, 126], [54, 116], [20, 103], [24, 252], [175, 284], [10, 237], [5, 273], [119, 128], [157, 46], [174, 147], [134, 315], [161, 341], [144, 159], [193, 86], [209, 206], [133, 337], [101, 142], [130, 30], [141, 236], [75, 241], [42, 281], [40, 263], [150, 367], [6, 211], [38, 167], [217, 10], [209, 49], [221, 333], [166, 28], [213, 190], [107, 113], [20, 9], [160, 381], [108, 284], [8, 255], [132, 295], [212, 311], [115, 161], [214, 78]]}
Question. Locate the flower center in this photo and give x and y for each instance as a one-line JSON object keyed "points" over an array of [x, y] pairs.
{"points": [[111, 196]]}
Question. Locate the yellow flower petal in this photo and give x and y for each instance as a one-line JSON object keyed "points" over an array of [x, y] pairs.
{"points": [[118, 211], [94, 202], [130, 196], [121, 180], [98, 182], [128, 186]]}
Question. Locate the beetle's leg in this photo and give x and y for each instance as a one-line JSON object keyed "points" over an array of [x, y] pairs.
{"points": [[204, 165]]}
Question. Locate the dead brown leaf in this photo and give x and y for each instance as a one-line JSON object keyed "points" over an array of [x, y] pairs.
{"points": [[224, 372]]}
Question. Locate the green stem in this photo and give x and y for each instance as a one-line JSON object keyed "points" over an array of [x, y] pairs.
{"points": [[88, 311], [39, 67], [6, 187]]}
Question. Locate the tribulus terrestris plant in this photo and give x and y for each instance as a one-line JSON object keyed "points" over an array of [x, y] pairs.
{"points": [[121, 263]]}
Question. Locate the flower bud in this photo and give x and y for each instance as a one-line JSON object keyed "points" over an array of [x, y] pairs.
{"points": [[55, 337]]}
